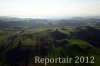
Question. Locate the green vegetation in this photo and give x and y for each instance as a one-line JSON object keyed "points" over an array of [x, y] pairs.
{"points": [[19, 47]]}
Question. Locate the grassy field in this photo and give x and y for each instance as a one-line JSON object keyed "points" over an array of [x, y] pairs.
{"points": [[20, 47]]}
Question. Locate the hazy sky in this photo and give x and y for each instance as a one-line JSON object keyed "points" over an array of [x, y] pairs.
{"points": [[49, 8]]}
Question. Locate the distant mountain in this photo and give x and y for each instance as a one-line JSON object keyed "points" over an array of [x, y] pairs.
{"points": [[10, 22], [85, 18], [8, 18]]}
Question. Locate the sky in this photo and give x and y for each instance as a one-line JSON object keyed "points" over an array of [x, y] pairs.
{"points": [[49, 8]]}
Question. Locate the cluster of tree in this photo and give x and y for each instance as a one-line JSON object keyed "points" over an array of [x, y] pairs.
{"points": [[14, 56], [89, 34]]}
